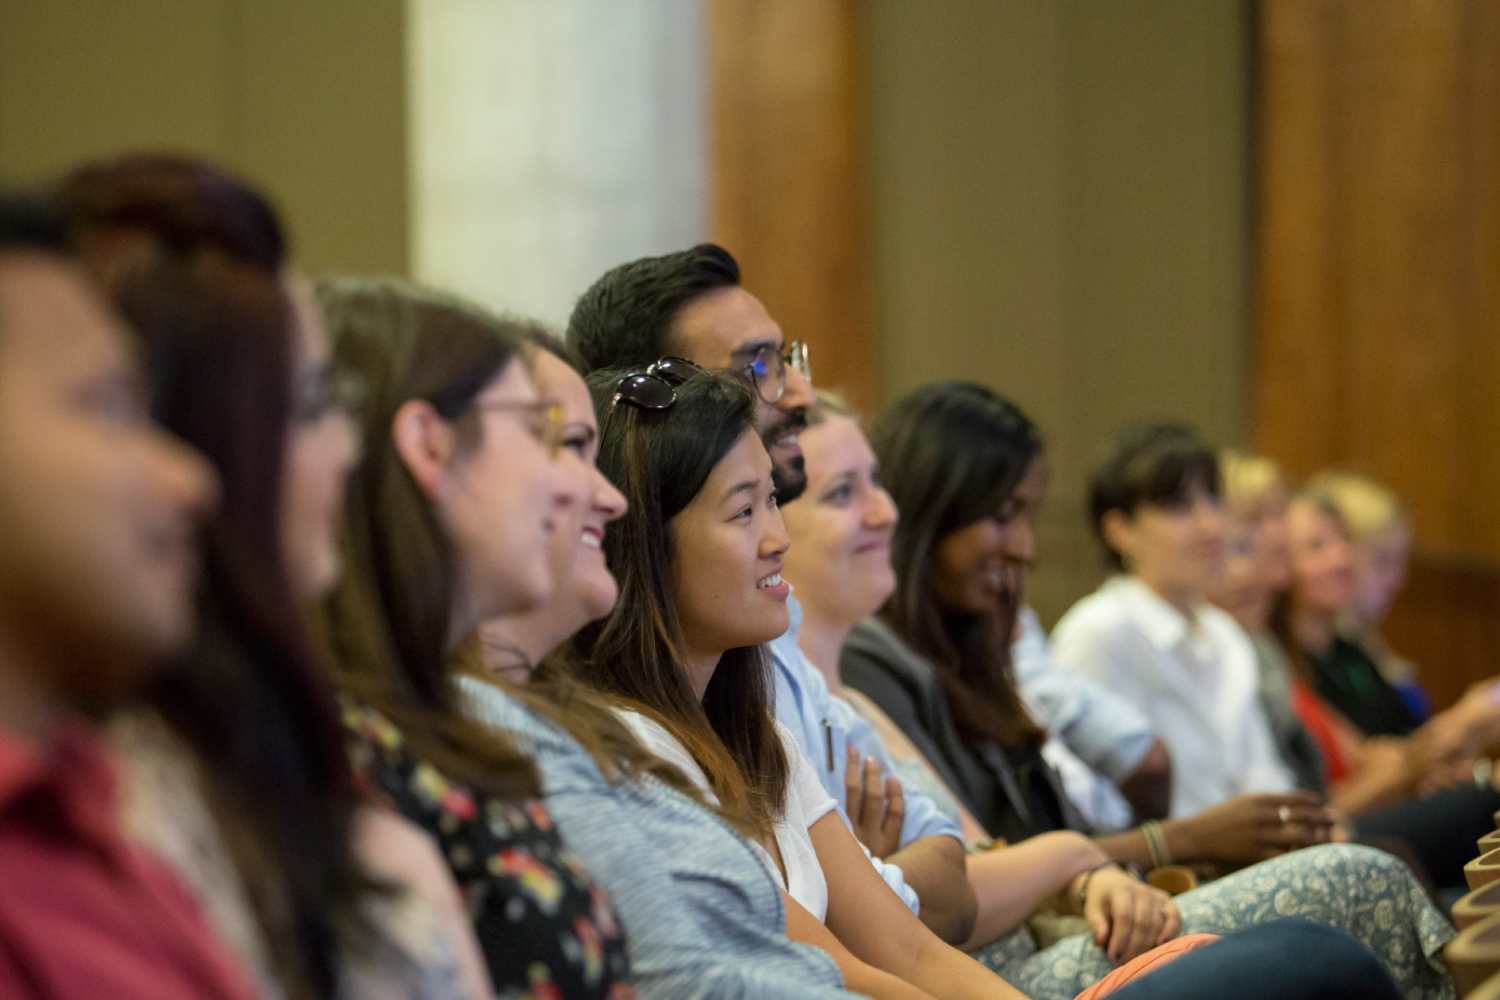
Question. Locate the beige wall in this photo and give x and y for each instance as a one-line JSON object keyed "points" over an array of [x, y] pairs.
{"points": [[1060, 210], [307, 99]]}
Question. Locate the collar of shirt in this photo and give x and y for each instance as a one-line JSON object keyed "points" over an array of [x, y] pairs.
{"points": [[71, 771], [1167, 628]]}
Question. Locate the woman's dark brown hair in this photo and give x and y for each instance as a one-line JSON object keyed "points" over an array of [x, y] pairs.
{"points": [[388, 621], [659, 460], [951, 454], [193, 258]]}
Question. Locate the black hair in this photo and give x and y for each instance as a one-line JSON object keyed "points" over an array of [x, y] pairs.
{"points": [[952, 453], [1150, 464], [625, 318], [660, 459], [29, 225]]}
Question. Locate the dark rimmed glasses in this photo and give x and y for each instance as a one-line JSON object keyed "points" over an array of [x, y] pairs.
{"points": [[766, 369], [655, 386]]}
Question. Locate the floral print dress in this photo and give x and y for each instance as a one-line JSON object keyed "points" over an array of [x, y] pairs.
{"points": [[546, 929]]}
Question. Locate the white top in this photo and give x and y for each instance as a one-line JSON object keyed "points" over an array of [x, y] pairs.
{"points": [[806, 803], [1195, 678]]}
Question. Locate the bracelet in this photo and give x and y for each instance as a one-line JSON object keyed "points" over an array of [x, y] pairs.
{"points": [[1156, 844], [1088, 876]]}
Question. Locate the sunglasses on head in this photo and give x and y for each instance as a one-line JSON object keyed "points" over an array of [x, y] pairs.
{"points": [[655, 386]]}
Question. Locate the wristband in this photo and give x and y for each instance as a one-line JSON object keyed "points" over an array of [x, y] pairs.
{"points": [[1088, 876], [1156, 844]]}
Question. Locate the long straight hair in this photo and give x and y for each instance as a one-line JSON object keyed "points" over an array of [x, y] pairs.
{"points": [[951, 454], [388, 620], [659, 460], [192, 256]]}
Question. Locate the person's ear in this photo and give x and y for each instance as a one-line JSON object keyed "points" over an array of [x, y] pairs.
{"points": [[1118, 531], [425, 443]]}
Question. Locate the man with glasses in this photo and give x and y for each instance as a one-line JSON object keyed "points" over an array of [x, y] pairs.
{"points": [[690, 306]]}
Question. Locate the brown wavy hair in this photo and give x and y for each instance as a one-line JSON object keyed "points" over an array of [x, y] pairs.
{"points": [[659, 460]]}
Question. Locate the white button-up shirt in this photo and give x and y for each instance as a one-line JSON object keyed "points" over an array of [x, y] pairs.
{"points": [[1194, 677]]}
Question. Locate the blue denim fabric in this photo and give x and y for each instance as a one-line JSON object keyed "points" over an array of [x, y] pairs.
{"points": [[1102, 729], [703, 916]]}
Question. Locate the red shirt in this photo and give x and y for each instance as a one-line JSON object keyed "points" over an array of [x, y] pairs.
{"points": [[83, 913]]}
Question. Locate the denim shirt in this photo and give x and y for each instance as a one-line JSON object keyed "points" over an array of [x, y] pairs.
{"points": [[1103, 729], [703, 916], [825, 726]]}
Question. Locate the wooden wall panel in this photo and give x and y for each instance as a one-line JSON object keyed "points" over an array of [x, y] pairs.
{"points": [[787, 173], [1379, 241]]}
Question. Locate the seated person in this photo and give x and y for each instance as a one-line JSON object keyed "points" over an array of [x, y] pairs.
{"points": [[701, 551], [1148, 632], [237, 774], [1377, 754], [1257, 567], [691, 304], [1380, 535], [935, 658], [570, 840], [101, 514]]}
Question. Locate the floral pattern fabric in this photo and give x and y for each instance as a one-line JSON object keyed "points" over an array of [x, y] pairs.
{"points": [[1364, 892], [546, 929]]}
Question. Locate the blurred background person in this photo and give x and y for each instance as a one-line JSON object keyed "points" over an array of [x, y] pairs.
{"points": [[102, 518]]}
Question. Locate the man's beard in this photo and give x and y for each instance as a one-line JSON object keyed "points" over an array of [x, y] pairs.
{"points": [[790, 480]]}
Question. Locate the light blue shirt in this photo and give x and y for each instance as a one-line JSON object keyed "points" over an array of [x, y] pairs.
{"points": [[825, 727], [1101, 728]]}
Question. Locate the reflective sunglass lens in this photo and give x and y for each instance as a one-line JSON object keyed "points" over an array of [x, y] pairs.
{"points": [[649, 392], [675, 370]]}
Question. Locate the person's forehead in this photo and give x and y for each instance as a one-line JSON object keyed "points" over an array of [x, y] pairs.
{"points": [[557, 381], [719, 324], [748, 459], [834, 445], [52, 319]]}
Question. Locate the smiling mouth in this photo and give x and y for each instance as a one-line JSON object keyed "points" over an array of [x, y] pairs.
{"points": [[766, 583], [592, 539]]}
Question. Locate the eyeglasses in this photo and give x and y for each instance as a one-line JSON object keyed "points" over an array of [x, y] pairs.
{"points": [[767, 369], [655, 386], [545, 421], [326, 392]]}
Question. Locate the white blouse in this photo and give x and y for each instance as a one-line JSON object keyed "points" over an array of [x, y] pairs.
{"points": [[806, 803]]}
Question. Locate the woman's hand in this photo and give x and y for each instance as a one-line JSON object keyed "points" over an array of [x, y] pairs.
{"points": [[1251, 828], [874, 803], [1127, 917]]}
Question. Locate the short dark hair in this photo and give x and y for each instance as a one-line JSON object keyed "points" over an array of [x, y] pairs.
{"points": [[625, 318], [29, 225], [1149, 464]]}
